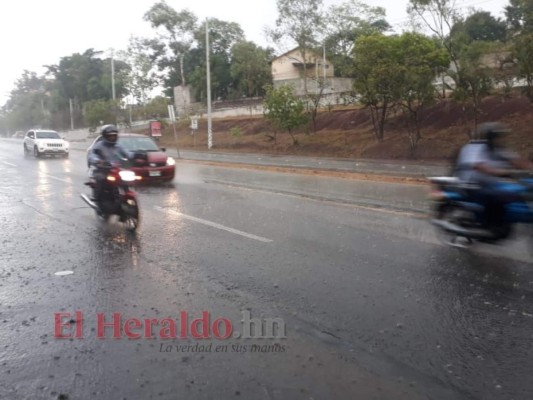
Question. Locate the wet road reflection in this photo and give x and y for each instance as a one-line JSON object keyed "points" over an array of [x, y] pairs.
{"points": [[484, 315], [371, 289]]}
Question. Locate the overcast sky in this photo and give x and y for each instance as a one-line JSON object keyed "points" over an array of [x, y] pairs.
{"points": [[35, 32]]}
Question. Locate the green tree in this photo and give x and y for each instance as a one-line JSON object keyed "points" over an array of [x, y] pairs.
{"points": [[174, 41], [476, 77], [376, 71], [523, 52], [28, 103], [223, 36], [95, 111], [142, 78], [481, 25], [439, 16], [519, 15], [84, 77], [87, 77], [284, 109], [344, 23], [250, 68], [156, 108], [418, 59]]}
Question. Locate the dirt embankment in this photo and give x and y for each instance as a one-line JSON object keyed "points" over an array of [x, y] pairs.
{"points": [[348, 133]]}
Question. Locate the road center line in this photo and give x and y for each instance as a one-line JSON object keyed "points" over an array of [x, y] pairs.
{"points": [[213, 225], [8, 163]]}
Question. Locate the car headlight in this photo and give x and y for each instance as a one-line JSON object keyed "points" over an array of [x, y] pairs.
{"points": [[171, 161]]}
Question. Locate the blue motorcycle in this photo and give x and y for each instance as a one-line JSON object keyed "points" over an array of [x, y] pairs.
{"points": [[459, 213]]}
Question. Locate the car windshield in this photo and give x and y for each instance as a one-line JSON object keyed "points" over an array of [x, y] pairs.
{"points": [[47, 135], [134, 143]]}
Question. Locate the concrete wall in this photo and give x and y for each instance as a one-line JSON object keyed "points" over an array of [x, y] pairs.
{"points": [[242, 111], [183, 98], [332, 86]]}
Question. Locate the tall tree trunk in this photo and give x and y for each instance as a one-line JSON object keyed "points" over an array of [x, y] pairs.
{"points": [[383, 117]]}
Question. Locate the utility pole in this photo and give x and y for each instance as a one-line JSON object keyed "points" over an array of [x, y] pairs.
{"points": [[316, 73], [324, 63], [113, 75], [172, 116], [209, 122], [71, 114]]}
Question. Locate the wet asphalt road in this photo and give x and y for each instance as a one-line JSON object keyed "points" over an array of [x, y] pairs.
{"points": [[374, 307]]}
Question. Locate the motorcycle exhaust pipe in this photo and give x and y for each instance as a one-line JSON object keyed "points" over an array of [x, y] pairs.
{"points": [[89, 201], [460, 231]]}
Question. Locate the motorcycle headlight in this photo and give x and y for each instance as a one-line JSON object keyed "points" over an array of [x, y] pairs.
{"points": [[171, 161], [127, 176]]}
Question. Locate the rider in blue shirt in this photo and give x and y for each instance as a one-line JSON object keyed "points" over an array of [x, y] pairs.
{"points": [[485, 161]]}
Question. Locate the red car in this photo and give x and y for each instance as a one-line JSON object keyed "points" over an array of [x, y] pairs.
{"points": [[149, 160]]}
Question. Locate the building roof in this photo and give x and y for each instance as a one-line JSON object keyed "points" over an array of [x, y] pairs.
{"points": [[290, 51]]}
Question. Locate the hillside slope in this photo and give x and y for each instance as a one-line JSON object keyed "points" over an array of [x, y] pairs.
{"points": [[348, 133]]}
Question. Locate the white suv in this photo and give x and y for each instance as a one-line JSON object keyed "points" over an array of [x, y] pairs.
{"points": [[43, 142]]}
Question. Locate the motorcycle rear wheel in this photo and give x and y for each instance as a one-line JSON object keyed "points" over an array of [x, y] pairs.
{"points": [[104, 216], [455, 215]]}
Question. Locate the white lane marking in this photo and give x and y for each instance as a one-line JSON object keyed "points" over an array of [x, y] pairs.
{"points": [[63, 273], [8, 163], [213, 225], [57, 179]]}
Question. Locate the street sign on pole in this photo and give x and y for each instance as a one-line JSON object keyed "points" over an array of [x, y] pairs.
{"points": [[155, 129], [194, 123], [171, 114]]}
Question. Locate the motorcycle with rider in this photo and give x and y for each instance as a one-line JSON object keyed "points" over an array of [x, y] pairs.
{"points": [[482, 201], [111, 180]]}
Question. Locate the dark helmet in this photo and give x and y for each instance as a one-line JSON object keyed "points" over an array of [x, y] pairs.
{"points": [[110, 133], [490, 131]]}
